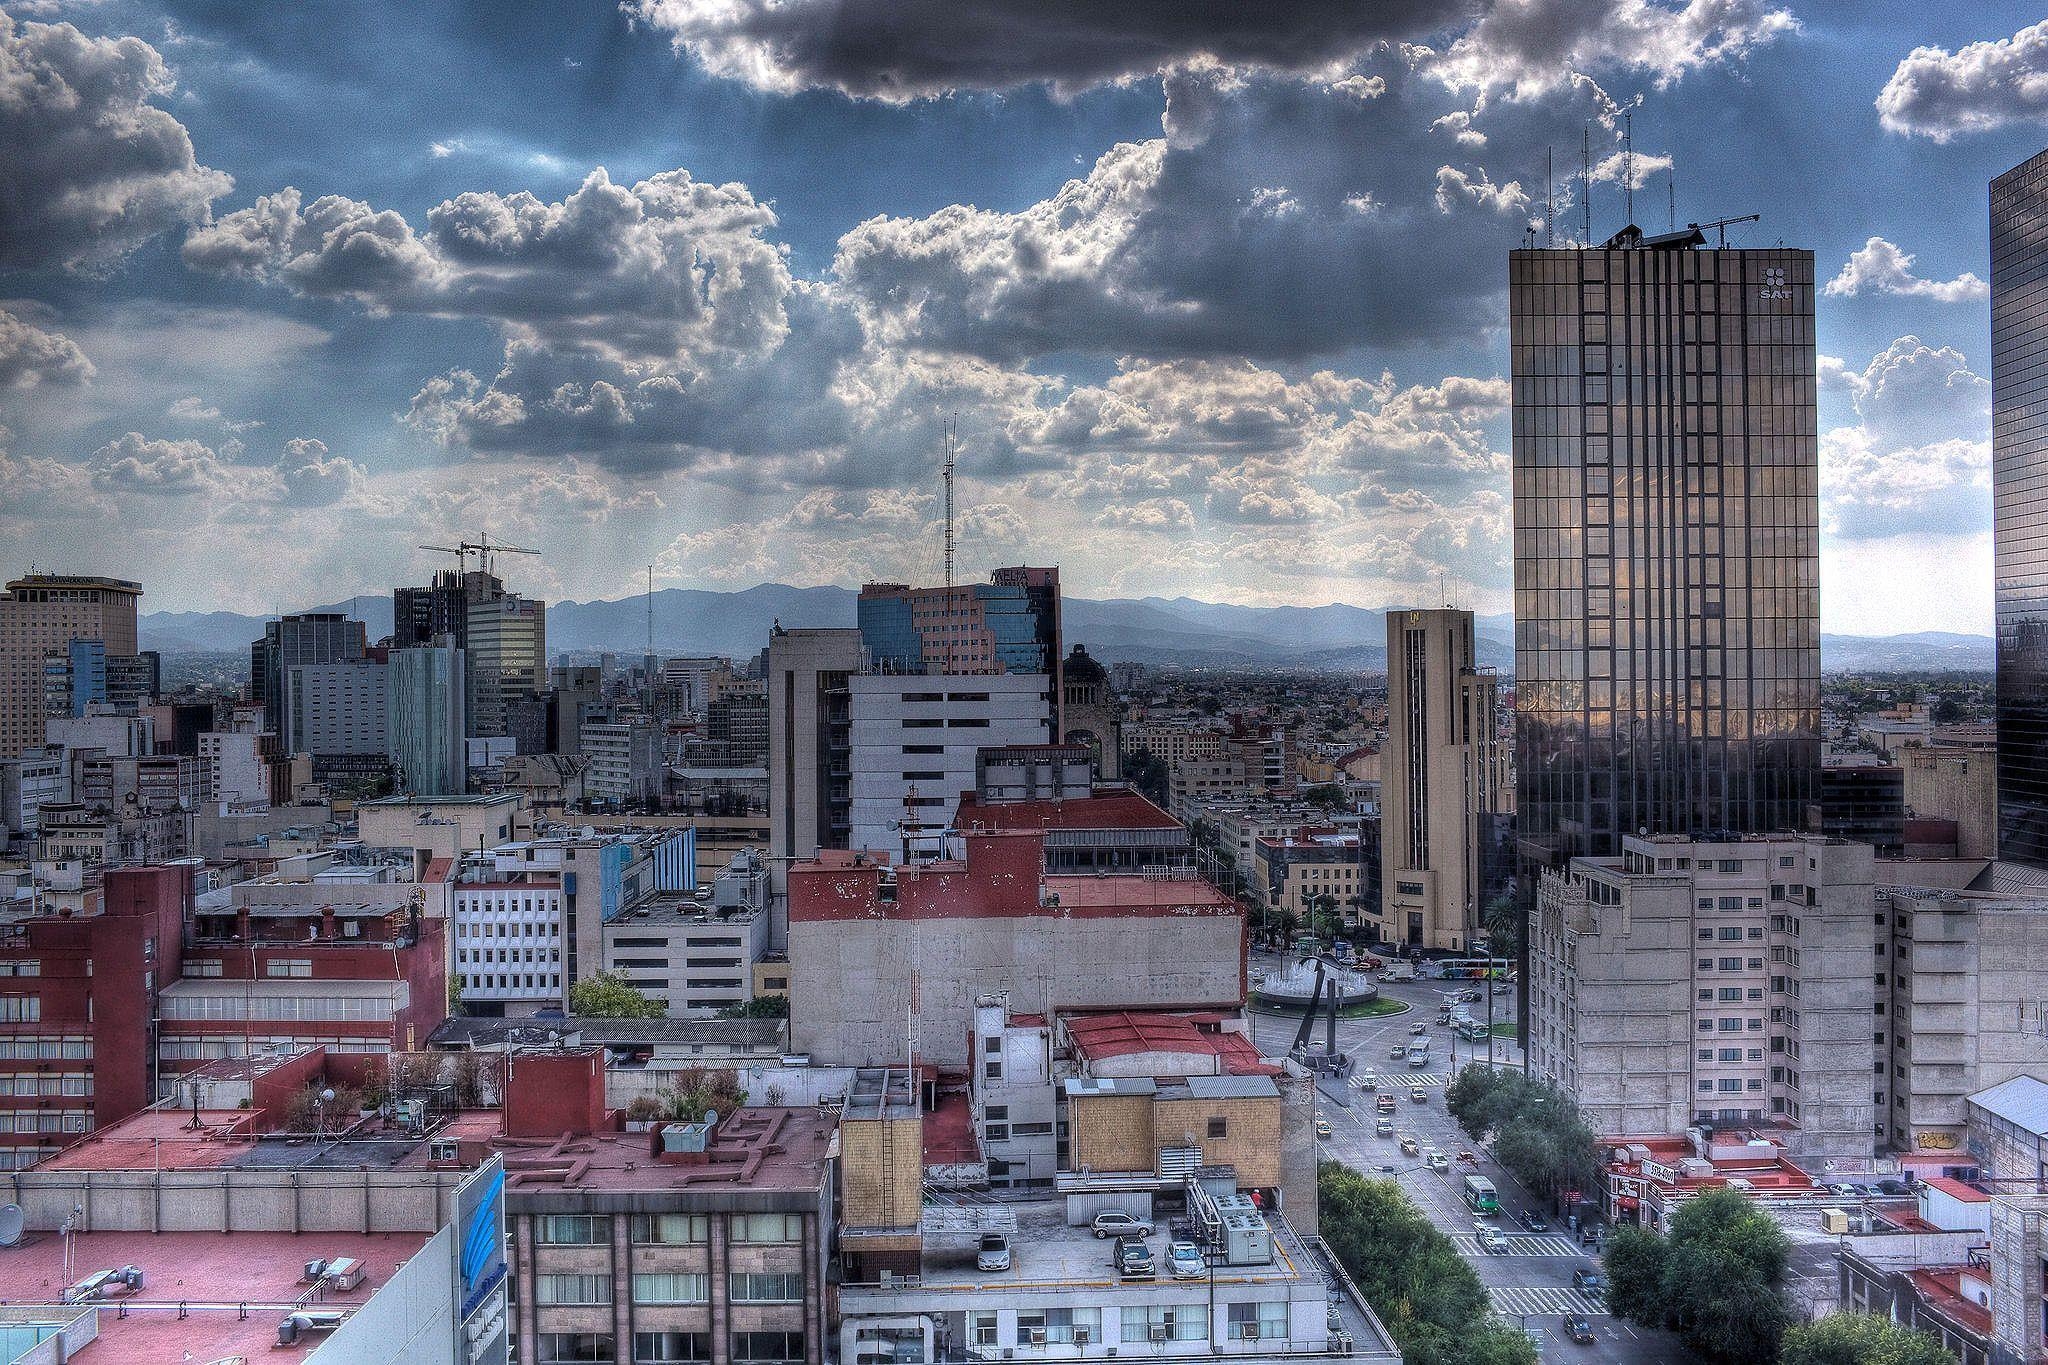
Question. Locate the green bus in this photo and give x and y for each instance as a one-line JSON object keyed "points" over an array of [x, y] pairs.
{"points": [[1480, 1194]]}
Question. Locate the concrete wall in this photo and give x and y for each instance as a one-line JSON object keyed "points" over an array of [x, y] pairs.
{"points": [[881, 1171], [237, 1200], [1109, 1133], [410, 1320]]}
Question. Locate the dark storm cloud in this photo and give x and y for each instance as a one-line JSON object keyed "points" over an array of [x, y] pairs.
{"points": [[92, 168], [899, 50]]}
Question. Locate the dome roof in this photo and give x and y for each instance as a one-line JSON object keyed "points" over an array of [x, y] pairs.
{"points": [[1081, 668]]}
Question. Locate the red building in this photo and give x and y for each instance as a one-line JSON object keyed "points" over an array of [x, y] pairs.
{"points": [[78, 999]]}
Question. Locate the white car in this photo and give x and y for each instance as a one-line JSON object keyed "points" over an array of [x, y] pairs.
{"points": [[994, 1253], [1492, 1240], [1117, 1223]]}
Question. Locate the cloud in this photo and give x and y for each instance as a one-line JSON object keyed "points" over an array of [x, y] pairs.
{"points": [[1882, 268], [93, 167], [1938, 94], [903, 50], [1528, 46], [135, 463], [309, 477], [31, 357], [1918, 460]]}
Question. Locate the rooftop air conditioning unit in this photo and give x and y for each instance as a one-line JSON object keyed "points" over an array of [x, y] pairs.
{"points": [[308, 1320]]}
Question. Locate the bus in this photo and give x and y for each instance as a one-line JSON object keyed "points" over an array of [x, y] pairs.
{"points": [[1480, 1194]]}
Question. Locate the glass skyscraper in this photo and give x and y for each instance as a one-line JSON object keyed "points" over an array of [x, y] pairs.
{"points": [[2019, 502], [1667, 539]]}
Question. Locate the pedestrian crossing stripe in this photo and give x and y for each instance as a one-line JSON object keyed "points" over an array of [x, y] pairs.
{"points": [[1395, 1082], [1519, 1244], [1553, 1302]]}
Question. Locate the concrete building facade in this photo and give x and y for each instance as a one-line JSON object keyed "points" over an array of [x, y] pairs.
{"points": [[44, 612], [1725, 982], [336, 709], [810, 768]]}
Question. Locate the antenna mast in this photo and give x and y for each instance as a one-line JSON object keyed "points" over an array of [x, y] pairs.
{"points": [[650, 611], [1671, 213], [1547, 207], [946, 473], [1586, 182], [1628, 165]]}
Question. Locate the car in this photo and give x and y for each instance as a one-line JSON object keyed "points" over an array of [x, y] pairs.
{"points": [[1535, 1221], [1578, 1329], [994, 1253], [1416, 1030], [1410, 1147], [1437, 1161], [1322, 1128], [1184, 1261], [1368, 1079], [1589, 1281], [1418, 1094], [1398, 1053], [1893, 1187], [1384, 1104], [1133, 1259], [1492, 1240], [1384, 1127], [1468, 1155], [1117, 1223]]}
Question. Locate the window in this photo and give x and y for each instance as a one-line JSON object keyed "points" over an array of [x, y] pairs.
{"points": [[1258, 1322], [748, 1287], [670, 1229], [575, 1348], [671, 1288], [570, 1290], [572, 1229], [670, 1348], [767, 1227], [1165, 1324], [288, 966], [768, 1348], [1219, 1128], [20, 1009], [981, 1328]]}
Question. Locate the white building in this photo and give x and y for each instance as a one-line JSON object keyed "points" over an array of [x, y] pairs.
{"points": [[1723, 982], [26, 786], [101, 727], [237, 771], [508, 935], [625, 763], [914, 738], [337, 708]]}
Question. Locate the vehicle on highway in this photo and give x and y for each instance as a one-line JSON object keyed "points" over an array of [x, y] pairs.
{"points": [[1384, 1104], [1535, 1221], [1589, 1281], [1437, 1161], [1368, 1079], [1322, 1128], [1492, 1240], [1184, 1261], [1133, 1259], [1578, 1329], [1418, 1094], [1399, 1052], [1480, 1195], [1466, 1154], [1472, 1031], [1416, 1030], [994, 1253], [1418, 1055], [1409, 1146], [1117, 1223], [1384, 1128]]}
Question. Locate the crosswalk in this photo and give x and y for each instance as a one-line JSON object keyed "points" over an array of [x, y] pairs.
{"points": [[1519, 1244], [1533, 1302], [1404, 1080]]}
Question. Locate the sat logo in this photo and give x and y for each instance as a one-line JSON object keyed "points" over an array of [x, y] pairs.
{"points": [[1774, 284]]}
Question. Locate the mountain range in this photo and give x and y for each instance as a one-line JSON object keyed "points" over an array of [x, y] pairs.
{"points": [[1149, 630]]}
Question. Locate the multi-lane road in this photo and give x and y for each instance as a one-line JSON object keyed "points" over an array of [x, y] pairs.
{"points": [[1531, 1283]]}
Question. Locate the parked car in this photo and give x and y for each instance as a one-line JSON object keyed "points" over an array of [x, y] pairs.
{"points": [[1384, 1127], [1492, 1240], [1418, 1094], [1184, 1261], [1322, 1128], [1117, 1223], [1133, 1259], [994, 1253], [1589, 1281], [1893, 1187], [1578, 1329], [1535, 1221]]}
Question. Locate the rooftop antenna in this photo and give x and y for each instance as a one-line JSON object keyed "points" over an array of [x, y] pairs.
{"points": [[1628, 165], [1721, 226], [650, 611], [1547, 207], [946, 473], [1671, 209], [1586, 182]]}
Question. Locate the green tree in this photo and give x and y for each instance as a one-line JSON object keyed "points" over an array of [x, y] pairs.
{"points": [[1635, 1276], [1494, 1342], [1860, 1339], [760, 1007], [1148, 772], [1328, 795], [1714, 1280], [608, 995], [1503, 920]]}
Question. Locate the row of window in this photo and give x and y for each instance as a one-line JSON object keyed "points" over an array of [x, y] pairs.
{"points": [[742, 1286], [668, 1348], [1136, 1324], [666, 1229]]}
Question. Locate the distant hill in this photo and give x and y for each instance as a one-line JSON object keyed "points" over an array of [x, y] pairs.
{"points": [[1149, 630]]}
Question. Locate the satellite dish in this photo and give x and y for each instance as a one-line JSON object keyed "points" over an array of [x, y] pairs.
{"points": [[10, 1225]]}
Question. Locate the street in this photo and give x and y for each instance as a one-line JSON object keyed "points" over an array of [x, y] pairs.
{"points": [[1531, 1284]]}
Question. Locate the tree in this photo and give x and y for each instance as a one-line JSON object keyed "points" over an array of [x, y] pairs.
{"points": [[696, 1092], [1860, 1339], [1328, 795], [1635, 1276], [1503, 921], [760, 1007], [1714, 1280], [1494, 1342], [608, 995], [1148, 772]]}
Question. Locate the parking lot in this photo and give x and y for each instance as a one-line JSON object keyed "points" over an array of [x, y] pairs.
{"points": [[1530, 1282]]}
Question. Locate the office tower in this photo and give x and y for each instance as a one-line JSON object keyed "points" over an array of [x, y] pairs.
{"points": [[1010, 624], [1441, 784], [502, 635], [332, 710], [45, 612], [428, 704], [316, 637], [809, 749], [1667, 651], [2019, 485]]}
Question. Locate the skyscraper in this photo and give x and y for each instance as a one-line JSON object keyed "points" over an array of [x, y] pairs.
{"points": [[1441, 788], [1667, 572], [503, 637], [2019, 494], [314, 637], [45, 612], [426, 703]]}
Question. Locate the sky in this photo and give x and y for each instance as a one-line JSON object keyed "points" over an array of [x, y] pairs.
{"points": [[1215, 292]]}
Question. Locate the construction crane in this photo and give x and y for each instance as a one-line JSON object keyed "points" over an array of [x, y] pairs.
{"points": [[1721, 226], [483, 547]]}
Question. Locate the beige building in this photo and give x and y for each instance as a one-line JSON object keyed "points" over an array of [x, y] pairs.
{"points": [[1726, 982], [1172, 742], [46, 612], [1944, 782], [1441, 776]]}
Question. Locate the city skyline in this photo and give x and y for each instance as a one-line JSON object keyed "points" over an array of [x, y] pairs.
{"points": [[1222, 313]]}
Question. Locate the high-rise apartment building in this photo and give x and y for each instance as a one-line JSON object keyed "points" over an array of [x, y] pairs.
{"points": [[1010, 624], [314, 637], [2019, 486], [46, 612], [1667, 536], [334, 709], [1441, 783], [810, 772], [426, 707]]}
